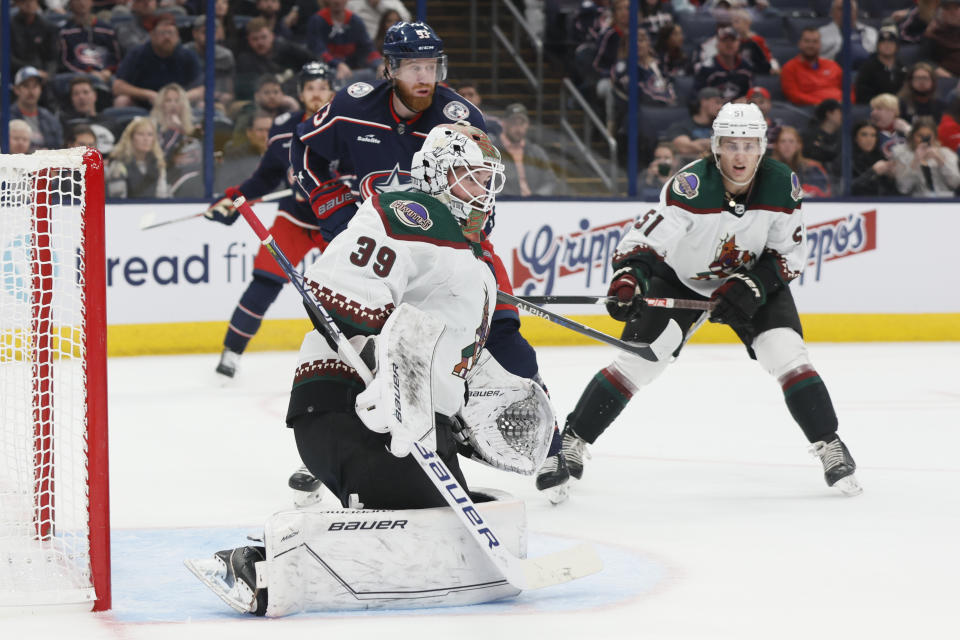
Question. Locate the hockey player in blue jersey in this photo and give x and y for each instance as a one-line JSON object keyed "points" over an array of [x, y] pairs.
{"points": [[295, 228], [361, 144]]}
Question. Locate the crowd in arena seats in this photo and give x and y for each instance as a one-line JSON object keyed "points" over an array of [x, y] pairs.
{"points": [[786, 57], [131, 73]]}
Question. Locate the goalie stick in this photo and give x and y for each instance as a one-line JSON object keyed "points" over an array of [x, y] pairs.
{"points": [[149, 220], [523, 573], [664, 345], [666, 303]]}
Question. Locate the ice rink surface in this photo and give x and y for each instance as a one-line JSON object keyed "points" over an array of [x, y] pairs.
{"points": [[712, 519]]}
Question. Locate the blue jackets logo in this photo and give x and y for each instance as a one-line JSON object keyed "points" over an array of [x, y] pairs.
{"points": [[385, 182], [359, 89]]}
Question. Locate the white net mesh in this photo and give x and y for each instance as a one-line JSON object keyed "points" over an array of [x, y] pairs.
{"points": [[44, 530]]}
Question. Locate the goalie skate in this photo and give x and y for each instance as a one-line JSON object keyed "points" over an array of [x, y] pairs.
{"points": [[231, 575], [307, 488]]}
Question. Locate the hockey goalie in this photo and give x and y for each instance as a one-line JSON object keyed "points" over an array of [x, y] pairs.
{"points": [[405, 286]]}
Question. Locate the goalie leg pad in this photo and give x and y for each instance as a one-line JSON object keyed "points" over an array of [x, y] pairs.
{"points": [[386, 559]]}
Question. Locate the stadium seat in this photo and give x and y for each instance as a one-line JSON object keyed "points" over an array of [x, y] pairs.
{"points": [[859, 112], [768, 27], [683, 85], [654, 121], [792, 115], [117, 118], [945, 86], [795, 25], [697, 27], [771, 84], [782, 50]]}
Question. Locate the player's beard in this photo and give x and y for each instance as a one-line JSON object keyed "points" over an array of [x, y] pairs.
{"points": [[413, 102]]}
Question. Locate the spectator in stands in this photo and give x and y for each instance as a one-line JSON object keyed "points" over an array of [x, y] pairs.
{"points": [[387, 20], [821, 142], [136, 167], [673, 60], [88, 45], [654, 15], [691, 138], [918, 97], [81, 135], [527, 170], [655, 87], [914, 21], [924, 168], [885, 116], [788, 149], [34, 42], [269, 10], [234, 36], [948, 131], [727, 71], [224, 64], [267, 55], [883, 71], [241, 156], [589, 21], [269, 97], [863, 37], [753, 46], [136, 32], [664, 165], [157, 63], [46, 130], [609, 42], [182, 152], [809, 79], [494, 125], [82, 109], [20, 136], [942, 42], [339, 38], [371, 12], [760, 96], [872, 173]]}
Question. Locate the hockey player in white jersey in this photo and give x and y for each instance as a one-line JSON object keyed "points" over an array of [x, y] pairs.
{"points": [[728, 229], [407, 263]]}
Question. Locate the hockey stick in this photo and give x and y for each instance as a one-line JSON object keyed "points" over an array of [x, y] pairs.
{"points": [[664, 345], [148, 221], [530, 573], [666, 303]]}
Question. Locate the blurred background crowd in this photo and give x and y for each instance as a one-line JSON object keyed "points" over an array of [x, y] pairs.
{"points": [[128, 77]]}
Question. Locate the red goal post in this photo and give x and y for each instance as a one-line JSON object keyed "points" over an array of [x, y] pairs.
{"points": [[54, 489]]}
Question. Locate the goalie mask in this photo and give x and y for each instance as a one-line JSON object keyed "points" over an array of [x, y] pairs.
{"points": [[741, 121], [459, 166]]}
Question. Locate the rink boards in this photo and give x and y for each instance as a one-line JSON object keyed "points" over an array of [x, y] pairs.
{"points": [[875, 271]]}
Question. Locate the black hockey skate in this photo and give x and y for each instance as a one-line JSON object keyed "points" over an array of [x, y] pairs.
{"points": [[838, 466], [229, 361], [552, 478], [241, 576], [574, 450]]}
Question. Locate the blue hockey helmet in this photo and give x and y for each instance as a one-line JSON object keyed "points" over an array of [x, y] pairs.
{"points": [[315, 70], [407, 40]]}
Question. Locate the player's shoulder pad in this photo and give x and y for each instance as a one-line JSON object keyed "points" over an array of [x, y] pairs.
{"points": [[777, 188], [455, 107], [416, 216], [696, 186]]}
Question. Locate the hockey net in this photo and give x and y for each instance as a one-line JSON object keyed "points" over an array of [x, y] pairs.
{"points": [[54, 523]]}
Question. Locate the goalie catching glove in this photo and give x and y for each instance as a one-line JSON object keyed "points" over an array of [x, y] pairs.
{"points": [[508, 420], [222, 210]]}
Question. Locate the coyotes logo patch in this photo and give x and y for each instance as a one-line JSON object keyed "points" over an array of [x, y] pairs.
{"points": [[729, 258], [470, 353]]}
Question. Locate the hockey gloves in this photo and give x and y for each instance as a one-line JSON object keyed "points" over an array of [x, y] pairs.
{"points": [[222, 210], [627, 286], [738, 299]]}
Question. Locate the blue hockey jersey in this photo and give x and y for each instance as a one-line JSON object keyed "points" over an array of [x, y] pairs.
{"points": [[357, 146], [274, 171]]}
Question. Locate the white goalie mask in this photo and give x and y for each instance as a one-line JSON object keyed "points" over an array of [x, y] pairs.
{"points": [[739, 121], [433, 171]]}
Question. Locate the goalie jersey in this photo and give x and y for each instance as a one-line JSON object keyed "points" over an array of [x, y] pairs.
{"points": [[705, 236], [399, 248]]}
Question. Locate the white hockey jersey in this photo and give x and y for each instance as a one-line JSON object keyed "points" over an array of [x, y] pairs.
{"points": [[401, 247], [704, 238]]}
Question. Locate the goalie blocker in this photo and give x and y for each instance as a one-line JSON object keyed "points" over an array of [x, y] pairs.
{"points": [[369, 559]]}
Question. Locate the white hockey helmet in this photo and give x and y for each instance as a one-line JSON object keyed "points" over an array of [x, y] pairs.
{"points": [[459, 145], [739, 121]]}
